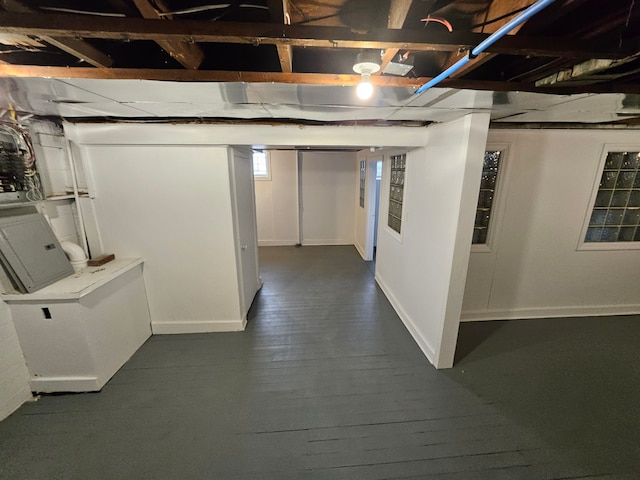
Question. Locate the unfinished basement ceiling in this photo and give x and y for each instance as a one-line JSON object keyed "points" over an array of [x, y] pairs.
{"points": [[292, 59]]}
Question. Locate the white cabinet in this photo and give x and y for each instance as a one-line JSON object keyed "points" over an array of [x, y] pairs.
{"points": [[77, 332]]}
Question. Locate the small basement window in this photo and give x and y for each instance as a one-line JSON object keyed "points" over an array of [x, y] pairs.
{"points": [[615, 216], [261, 169], [363, 176], [396, 191], [488, 183]]}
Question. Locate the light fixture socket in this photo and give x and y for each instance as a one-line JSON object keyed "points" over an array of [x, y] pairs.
{"points": [[367, 62]]}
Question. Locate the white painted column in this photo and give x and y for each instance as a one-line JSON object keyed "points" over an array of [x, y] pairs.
{"points": [[423, 270]]}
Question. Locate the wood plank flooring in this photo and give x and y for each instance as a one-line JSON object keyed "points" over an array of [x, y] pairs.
{"points": [[326, 383]]}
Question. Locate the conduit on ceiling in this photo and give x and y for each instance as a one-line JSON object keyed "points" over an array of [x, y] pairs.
{"points": [[487, 42]]}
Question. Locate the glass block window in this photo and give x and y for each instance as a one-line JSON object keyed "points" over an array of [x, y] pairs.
{"points": [[260, 165], [396, 191], [616, 211], [487, 195], [363, 174]]}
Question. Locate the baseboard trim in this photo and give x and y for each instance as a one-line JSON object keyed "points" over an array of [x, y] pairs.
{"points": [[277, 243], [551, 312], [408, 322], [318, 243], [207, 326], [64, 384], [360, 250]]}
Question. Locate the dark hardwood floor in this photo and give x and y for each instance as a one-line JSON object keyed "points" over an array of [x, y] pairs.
{"points": [[326, 383]]}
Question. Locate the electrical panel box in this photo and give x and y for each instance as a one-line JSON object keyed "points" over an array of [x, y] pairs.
{"points": [[30, 252], [19, 178]]}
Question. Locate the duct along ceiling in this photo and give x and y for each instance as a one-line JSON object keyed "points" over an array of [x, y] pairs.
{"points": [[572, 48]]}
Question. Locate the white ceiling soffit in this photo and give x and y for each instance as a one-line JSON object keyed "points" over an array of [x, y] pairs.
{"points": [[100, 109], [144, 98], [563, 117], [200, 110]]}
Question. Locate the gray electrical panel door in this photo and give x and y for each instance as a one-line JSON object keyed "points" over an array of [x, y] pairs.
{"points": [[31, 253]]}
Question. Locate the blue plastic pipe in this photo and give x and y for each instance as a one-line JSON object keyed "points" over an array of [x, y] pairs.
{"points": [[487, 42]]}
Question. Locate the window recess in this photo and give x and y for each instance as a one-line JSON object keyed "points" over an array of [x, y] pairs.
{"points": [[396, 191], [363, 176], [615, 216], [487, 196], [261, 169]]}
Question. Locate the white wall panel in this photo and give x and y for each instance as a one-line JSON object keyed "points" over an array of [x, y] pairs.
{"points": [[365, 217], [328, 203], [536, 270], [360, 214], [423, 270], [171, 206], [14, 376], [277, 200]]}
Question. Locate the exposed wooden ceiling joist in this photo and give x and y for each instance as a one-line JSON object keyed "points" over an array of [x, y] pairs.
{"points": [[8, 70], [398, 11], [74, 46], [22, 71], [295, 35], [495, 10], [189, 55], [80, 49], [279, 10]]}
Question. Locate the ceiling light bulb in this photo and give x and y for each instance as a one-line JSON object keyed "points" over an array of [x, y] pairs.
{"points": [[365, 88]]}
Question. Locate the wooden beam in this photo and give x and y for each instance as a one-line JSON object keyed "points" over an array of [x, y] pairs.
{"points": [[285, 54], [279, 10], [76, 26], [28, 71], [189, 55], [248, 77], [398, 11], [469, 67], [80, 49], [76, 47]]}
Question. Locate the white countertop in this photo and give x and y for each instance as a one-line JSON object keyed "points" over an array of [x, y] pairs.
{"points": [[77, 285]]}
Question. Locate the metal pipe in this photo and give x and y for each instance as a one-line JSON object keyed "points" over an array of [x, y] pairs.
{"points": [[76, 196], [487, 42]]}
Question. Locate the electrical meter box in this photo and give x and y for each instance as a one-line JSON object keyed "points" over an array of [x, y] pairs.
{"points": [[30, 252]]}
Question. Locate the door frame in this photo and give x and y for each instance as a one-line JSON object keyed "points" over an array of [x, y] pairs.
{"points": [[233, 152], [370, 202]]}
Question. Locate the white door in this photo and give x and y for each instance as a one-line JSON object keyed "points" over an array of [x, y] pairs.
{"points": [[373, 196], [245, 225]]}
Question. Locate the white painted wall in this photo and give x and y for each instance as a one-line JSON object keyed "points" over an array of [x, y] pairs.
{"points": [[171, 205], [328, 207], [365, 217], [277, 200], [49, 146], [14, 376], [534, 268], [423, 270], [423, 275], [360, 216], [162, 193]]}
